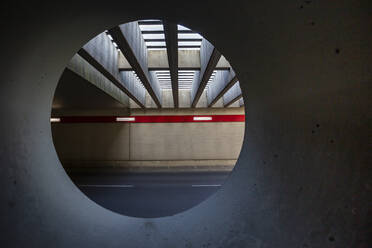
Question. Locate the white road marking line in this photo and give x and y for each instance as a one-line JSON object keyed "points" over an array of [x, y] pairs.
{"points": [[106, 185], [206, 185]]}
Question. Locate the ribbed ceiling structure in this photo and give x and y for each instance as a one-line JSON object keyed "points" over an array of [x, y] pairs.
{"points": [[169, 41]]}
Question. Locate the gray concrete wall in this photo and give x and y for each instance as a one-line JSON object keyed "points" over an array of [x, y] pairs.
{"points": [[189, 58], [91, 141], [77, 143], [167, 99], [186, 141], [158, 59], [184, 97], [303, 176]]}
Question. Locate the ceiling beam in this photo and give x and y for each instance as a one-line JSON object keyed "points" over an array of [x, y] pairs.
{"points": [[187, 60], [81, 68], [100, 53], [129, 39], [171, 37], [222, 82], [232, 95], [233, 100], [209, 57]]}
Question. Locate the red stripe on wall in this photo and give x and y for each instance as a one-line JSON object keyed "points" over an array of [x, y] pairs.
{"points": [[151, 119]]}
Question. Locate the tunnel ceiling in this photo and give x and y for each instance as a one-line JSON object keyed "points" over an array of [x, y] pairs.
{"points": [[158, 58], [74, 92]]}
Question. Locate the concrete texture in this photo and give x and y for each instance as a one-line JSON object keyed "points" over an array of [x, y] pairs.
{"points": [[232, 95], [102, 54], [303, 178], [222, 82], [189, 58], [133, 85], [184, 100], [188, 111], [219, 104], [123, 63], [76, 93], [149, 101], [148, 166], [203, 102], [130, 41], [92, 141], [194, 163], [148, 141], [186, 141], [218, 84], [171, 41], [208, 62], [133, 36], [167, 99], [85, 70], [157, 59], [234, 105]]}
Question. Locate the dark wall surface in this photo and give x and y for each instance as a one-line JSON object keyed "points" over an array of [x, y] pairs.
{"points": [[74, 92], [304, 175]]}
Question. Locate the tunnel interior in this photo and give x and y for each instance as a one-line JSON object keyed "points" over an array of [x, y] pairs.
{"points": [[303, 177], [152, 145]]}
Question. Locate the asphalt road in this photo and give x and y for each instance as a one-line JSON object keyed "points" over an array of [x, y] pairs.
{"points": [[149, 194]]}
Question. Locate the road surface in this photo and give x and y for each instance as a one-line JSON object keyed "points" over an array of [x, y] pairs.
{"points": [[149, 194]]}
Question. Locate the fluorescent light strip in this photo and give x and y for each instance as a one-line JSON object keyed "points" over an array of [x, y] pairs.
{"points": [[55, 119], [202, 118], [110, 37], [125, 119]]}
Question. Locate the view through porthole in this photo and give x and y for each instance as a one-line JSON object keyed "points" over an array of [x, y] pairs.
{"points": [[148, 119]]}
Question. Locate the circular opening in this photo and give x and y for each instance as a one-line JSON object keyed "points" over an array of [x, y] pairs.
{"points": [[148, 119]]}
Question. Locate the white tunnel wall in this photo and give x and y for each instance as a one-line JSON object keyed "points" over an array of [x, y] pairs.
{"points": [[302, 177]]}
